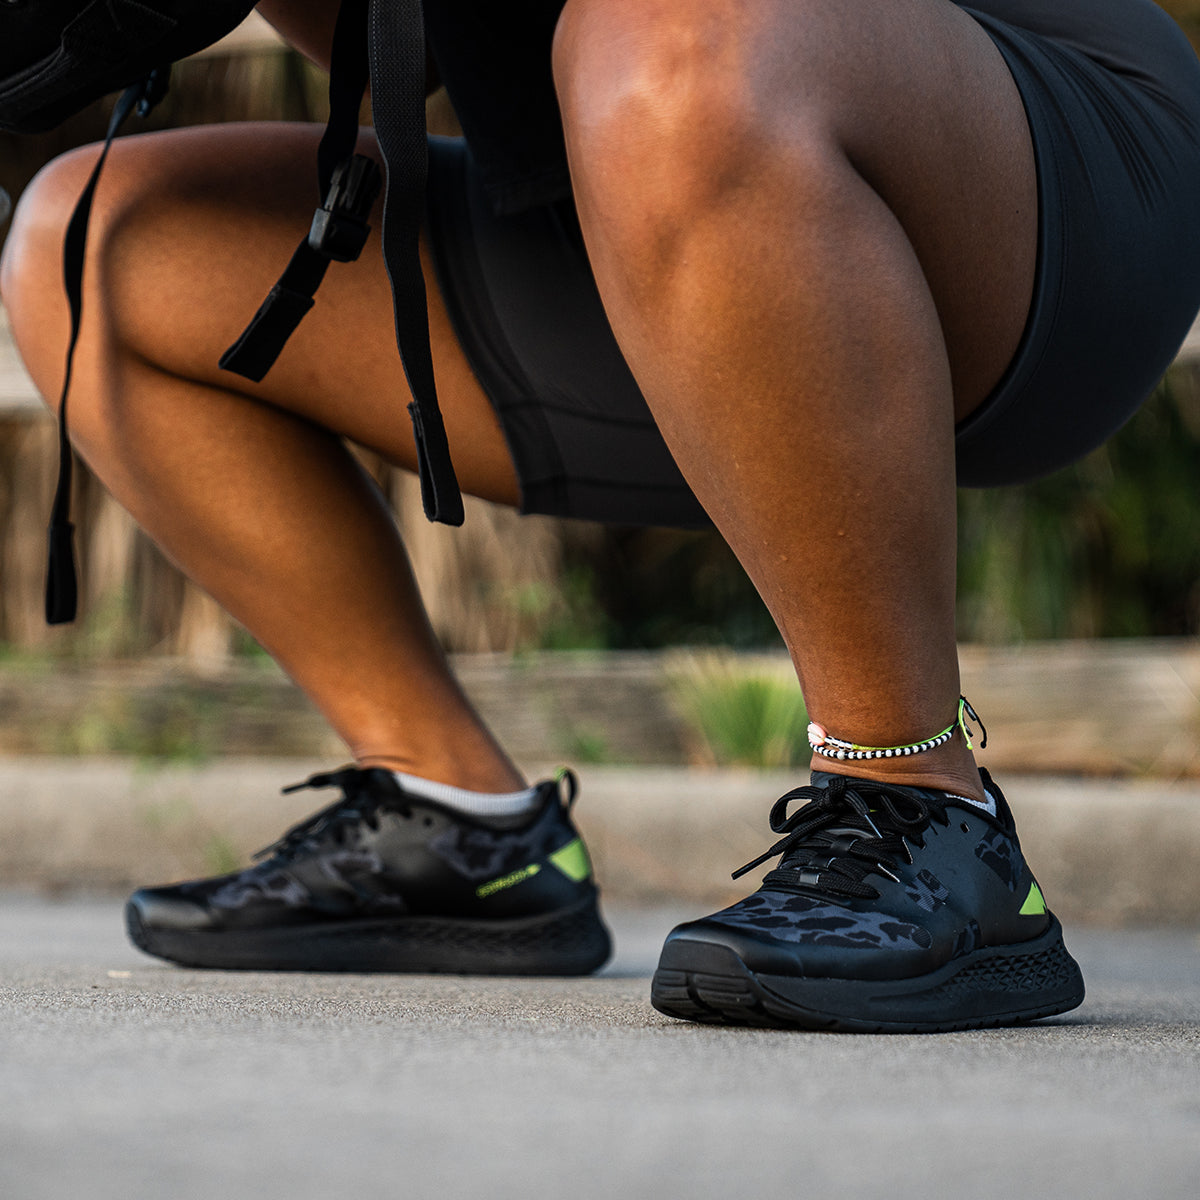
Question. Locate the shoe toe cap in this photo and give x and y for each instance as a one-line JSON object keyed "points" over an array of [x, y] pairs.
{"points": [[802, 952], [165, 909], [704, 945]]}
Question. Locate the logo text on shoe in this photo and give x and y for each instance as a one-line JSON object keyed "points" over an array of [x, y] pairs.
{"points": [[506, 881]]}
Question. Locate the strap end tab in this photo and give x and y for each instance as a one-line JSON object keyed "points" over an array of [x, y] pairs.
{"points": [[440, 494], [262, 341], [62, 589]]}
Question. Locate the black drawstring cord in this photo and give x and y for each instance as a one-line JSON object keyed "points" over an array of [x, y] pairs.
{"points": [[62, 588]]}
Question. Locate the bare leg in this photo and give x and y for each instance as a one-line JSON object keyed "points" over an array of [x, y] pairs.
{"points": [[813, 223], [249, 487]]}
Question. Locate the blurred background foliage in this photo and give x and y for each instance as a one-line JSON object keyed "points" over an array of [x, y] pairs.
{"points": [[745, 710], [1107, 548]]}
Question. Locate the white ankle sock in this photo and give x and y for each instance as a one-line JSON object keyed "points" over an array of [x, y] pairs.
{"points": [[988, 803], [478, 804]]}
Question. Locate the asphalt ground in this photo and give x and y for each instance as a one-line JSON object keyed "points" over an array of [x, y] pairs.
{"points": [[123, 1077]]}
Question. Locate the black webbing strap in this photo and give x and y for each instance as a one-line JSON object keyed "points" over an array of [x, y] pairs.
{"points": [[347, 183], [62, 588], [385, 39], [397, 49]]}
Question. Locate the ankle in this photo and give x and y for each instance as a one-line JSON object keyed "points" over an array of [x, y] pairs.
{"points": [[943, 761], [950, 768], [491, 777]]}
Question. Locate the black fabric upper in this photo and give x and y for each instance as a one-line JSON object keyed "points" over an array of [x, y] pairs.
{"points": [[881, 882], [378, 851]]}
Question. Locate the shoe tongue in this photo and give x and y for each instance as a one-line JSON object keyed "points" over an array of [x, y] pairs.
{"points": [[823, 779]]}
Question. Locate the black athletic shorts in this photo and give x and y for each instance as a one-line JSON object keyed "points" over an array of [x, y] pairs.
{"points": [[1112, 92]]}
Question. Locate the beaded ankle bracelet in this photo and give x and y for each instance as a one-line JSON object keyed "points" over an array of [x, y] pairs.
{"points": [[831, 747]]}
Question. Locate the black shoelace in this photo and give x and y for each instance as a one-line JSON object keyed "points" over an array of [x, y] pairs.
{"points": [[359, 804], [848, 830]]}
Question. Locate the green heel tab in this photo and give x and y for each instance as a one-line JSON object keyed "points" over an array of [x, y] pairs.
{"points": [[1035, 903]]}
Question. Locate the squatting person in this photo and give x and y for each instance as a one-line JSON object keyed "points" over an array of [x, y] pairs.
{"points": [[799, 268]]}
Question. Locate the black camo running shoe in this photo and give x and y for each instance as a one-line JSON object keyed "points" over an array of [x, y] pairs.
{"points": [[892, 909], [384, 881]]}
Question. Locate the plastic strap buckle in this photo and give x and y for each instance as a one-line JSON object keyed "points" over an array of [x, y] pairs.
{"points": [[154, 88], [339, 227]]}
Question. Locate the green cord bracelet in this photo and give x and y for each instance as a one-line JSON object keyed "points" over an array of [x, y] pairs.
{"points": [[828, 746]]}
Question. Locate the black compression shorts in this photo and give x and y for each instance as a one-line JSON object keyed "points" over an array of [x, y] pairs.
{"points": [[1112, 93]]}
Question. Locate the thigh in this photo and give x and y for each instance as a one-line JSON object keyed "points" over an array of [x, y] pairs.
{"points": [[912, 93], [191, 229]]}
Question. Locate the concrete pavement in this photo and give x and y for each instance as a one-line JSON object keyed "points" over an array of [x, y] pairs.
{"points": [[125, 1079]]}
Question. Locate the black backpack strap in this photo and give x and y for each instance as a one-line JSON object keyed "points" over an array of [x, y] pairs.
{"points": [[348, 184], [385, 38], [397, 47], [62, 588]]}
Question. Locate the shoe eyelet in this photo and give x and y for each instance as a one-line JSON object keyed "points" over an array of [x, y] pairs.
{"points": [[427, 822], [965, 827]]}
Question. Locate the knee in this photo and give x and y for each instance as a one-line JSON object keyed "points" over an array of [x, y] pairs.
{"points": [[671, 107], [31, 270], [661, 92], [31, 261]]}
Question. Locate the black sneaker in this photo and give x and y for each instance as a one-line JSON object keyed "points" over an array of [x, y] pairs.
{"points": [[892, 909], [384, 881]]}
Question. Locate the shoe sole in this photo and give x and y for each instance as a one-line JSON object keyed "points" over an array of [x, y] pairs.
{"points": [[997, 985], [570, 941]]}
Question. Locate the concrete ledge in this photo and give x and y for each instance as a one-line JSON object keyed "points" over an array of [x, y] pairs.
{"points": [[1108, 853], [1102, 708]]}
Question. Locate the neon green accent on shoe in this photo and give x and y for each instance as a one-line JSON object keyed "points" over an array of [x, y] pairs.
{"points": [[1035, 904], [572, 860], [506, 881]]}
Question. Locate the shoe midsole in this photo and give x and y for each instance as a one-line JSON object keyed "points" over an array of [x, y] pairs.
{"points": [[992, 982], [572, 940]]}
